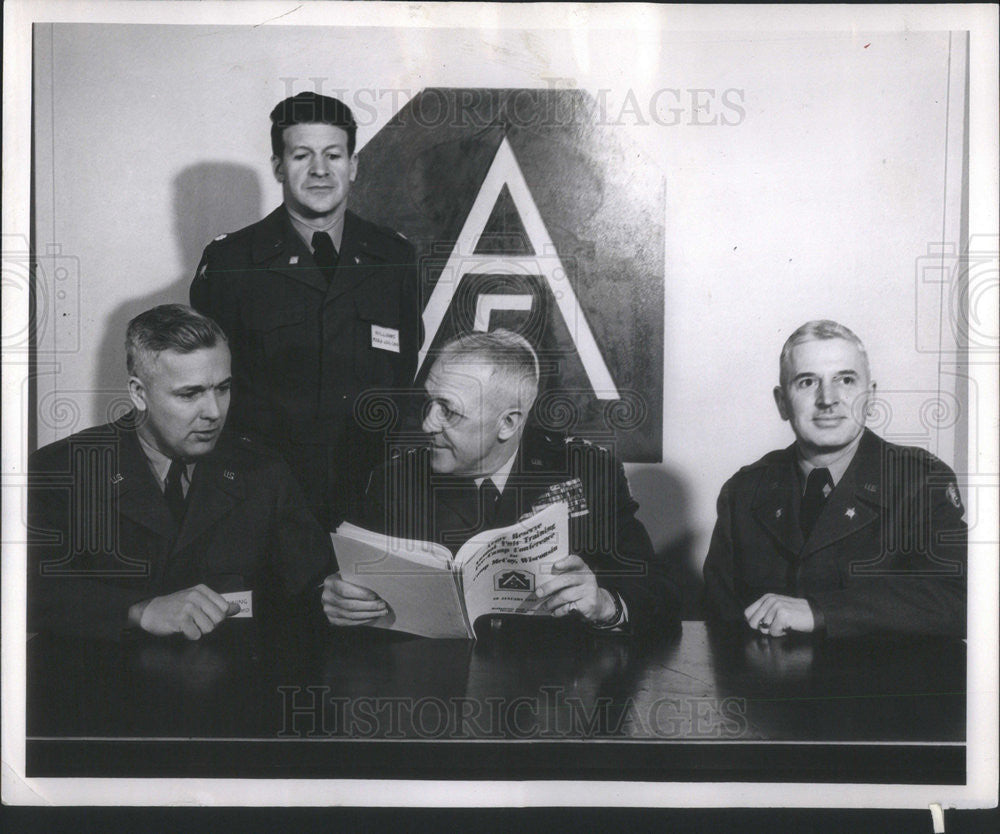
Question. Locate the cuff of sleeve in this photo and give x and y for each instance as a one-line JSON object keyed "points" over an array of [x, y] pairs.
{"points": [[819, 620], [618, 619]]}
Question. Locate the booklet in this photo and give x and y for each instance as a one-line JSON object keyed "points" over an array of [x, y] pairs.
{"points": [[434, 595]]}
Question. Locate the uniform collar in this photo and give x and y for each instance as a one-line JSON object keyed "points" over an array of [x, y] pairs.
{"points": [[499, 477], [159, 463], [334, 228], [837, 468]]}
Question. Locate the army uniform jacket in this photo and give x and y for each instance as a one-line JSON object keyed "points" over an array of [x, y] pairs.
{"points": [[405, 498], [887, 553], [305, 350], [102, 538]]}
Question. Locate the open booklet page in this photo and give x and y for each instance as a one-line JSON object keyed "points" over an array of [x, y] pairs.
{"points": [[500, 569], [431, 595], [414, 578]]}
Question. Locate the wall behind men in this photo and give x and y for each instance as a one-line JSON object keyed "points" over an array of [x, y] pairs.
{"points": [[806, 176]]}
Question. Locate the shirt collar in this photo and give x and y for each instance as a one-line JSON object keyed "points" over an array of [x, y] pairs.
{"points": [[334, 228], [159, 464], [499, 477], [837, 467]]}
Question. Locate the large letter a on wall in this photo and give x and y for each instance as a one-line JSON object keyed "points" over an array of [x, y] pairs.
{"points": [[545, 261]]}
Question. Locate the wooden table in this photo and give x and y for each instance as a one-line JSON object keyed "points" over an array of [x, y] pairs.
{"points": [[529, 700]]}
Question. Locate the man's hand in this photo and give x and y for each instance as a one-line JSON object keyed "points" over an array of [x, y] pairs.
{"points": [[349, 605], [573, 587], [774, 615], [191, 612]]}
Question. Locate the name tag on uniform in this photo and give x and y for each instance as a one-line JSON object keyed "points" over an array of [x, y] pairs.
{"points": [[242, 598], [385, 338]]}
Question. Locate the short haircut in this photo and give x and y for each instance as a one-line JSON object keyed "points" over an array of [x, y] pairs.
{"points": [[819, 329], [511, 355], [168, 327], [311, 108]]}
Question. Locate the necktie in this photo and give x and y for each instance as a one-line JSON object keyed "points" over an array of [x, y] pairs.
{"points": [[174, 493], [489, 497], [325, 255], [819, 485]]}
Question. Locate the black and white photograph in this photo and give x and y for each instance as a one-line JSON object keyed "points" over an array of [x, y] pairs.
{"points": [[508, 404]]}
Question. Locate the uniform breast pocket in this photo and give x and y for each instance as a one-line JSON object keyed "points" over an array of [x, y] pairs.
{"points": [[285, 343], [377, 349]]}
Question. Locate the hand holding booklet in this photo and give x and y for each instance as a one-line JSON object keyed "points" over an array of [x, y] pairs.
{"points": [[434, 595]]}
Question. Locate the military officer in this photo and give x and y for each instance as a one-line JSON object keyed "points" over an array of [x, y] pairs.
{"points": [[841, 532], [485, 468], [319, 307], [144, 525]]}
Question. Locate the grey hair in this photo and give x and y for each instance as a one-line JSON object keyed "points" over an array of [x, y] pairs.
{"points": [[511, 355], [819, 329]]}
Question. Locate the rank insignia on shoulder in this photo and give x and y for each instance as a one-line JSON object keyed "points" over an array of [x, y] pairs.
{"points": [[202, 269], [953, 496], [570, 491], [221, 237]]}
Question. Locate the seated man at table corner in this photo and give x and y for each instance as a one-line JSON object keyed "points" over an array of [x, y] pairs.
{"points": [[485, 468], [143, 524], [842, 532]]}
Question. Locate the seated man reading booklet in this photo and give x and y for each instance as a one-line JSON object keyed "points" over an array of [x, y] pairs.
{"points": [[485, 470]]}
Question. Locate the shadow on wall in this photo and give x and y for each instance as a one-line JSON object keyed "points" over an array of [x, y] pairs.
{"points": [[210, 198], [664, 510]]}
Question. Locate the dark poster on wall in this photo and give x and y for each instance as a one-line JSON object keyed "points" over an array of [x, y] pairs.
{"points": [[531, 210]]}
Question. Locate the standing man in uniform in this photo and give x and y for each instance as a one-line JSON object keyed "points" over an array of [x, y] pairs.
{"points": [[841, 532], [319, 307], [485, 467]]}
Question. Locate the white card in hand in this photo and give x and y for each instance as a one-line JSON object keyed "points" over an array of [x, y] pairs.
{"points": [[245, 601]]}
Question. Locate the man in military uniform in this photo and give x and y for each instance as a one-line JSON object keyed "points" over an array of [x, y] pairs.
{"points": [[319, 307], [841, 532], [158, 522], [485, 468]]}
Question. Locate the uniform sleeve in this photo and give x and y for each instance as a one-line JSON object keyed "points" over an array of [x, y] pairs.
{"points": [[919, 584], [300, 549], [59, 602], [721, 600], [633, 569], [209, 293]]}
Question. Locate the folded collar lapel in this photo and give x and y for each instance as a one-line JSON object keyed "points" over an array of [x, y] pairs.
{"points": [[358, 256], [276, 246], [139, 496], [855, 501], [215, 490], [775, 504]]}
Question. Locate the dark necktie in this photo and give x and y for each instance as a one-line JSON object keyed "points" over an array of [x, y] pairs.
{"points": [[489, 497], [819, 485], [174, 493], [325, 255]]}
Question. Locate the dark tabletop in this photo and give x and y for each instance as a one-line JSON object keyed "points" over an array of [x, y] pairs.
{"points": [[528, 699]]}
